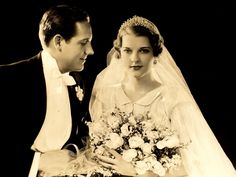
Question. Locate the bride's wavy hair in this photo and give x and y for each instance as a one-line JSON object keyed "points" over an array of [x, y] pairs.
{"points": [[140, 27]]}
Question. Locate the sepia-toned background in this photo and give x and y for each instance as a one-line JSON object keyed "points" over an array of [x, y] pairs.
{"points": [[199, 34]]}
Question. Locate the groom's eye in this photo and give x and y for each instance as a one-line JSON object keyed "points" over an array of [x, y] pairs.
{"points": [[84, 42]]}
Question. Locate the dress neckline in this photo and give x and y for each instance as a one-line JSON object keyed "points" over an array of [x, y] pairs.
{"points": [[146, 99]]}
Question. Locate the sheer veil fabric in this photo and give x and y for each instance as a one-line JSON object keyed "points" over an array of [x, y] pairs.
{"points": [[203, 157]]}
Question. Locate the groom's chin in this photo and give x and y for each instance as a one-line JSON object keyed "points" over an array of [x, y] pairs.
{"points": [[80, 69]]}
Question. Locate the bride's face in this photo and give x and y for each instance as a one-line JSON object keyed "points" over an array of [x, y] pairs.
{"points": [[137, 54]]}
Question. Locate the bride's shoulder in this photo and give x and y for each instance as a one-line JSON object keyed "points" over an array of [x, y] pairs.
{"points": [[174, 93], [170, 91]]}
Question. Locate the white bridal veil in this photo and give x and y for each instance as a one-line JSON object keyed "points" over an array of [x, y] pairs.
{"points": [[204, 157]]}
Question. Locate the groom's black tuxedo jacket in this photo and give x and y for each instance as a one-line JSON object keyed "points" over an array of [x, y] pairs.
{"points": [[23, 100]]}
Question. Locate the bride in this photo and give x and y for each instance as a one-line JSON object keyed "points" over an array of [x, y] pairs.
{"points": [[143, 77]]}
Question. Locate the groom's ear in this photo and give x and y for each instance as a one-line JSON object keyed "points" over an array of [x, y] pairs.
{"points": [[57, 39]]}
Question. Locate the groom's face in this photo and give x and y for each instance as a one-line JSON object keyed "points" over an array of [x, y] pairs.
{"points": [[74, 51]]}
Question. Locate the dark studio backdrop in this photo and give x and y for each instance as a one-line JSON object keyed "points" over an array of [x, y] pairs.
{"points": [[199, 35]]}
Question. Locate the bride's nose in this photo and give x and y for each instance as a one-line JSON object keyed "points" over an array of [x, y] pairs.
{"points": [[134, 57]]}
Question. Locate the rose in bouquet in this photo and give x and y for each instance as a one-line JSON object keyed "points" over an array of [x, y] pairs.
{"points": [[140, 141]]}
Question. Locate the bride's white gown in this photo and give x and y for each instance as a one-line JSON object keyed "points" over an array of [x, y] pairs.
{"points": [[203, 156]]}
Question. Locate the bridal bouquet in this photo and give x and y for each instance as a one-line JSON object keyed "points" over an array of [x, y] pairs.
{"points": [[140, 141]]}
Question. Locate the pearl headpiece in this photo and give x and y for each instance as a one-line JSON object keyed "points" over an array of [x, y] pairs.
{"points": [[139, 21]]}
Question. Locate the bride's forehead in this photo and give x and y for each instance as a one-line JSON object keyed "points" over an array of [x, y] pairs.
{"points": [[135, 40]]}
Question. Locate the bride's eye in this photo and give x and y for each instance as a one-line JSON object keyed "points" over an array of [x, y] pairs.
{"points": [[127, 50], [144, 50]]}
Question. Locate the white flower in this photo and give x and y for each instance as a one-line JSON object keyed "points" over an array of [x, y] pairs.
{"points": [[151, 134], [114, 141], [79, 93], [148, 125], [147, 148], [169, 141], [132, 120], [113, 121], [141, 167], [151, 161], [98, 128], [129, 155], [159, 169], [135, 141], [125, 130]]}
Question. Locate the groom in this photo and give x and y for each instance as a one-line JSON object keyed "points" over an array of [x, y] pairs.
{"points": [[41, 104]]}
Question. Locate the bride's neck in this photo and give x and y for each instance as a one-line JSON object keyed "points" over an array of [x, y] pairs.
{"points": [[136, 88], [145, 81]]}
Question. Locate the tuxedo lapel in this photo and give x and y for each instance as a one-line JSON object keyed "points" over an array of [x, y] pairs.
{"points": [[78, 112]]}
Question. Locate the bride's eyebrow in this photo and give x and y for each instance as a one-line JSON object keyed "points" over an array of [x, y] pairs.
{"points": [[146, 47], [126, 47]]}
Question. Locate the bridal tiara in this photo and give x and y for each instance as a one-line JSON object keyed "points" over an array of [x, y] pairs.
{"points": [[139, 21]]}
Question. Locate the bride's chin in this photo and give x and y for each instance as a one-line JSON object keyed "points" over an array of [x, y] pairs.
{"points": [[141, 75]]}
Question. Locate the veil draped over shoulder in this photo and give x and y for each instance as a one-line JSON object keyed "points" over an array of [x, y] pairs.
{"points": [[204, 157]]}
